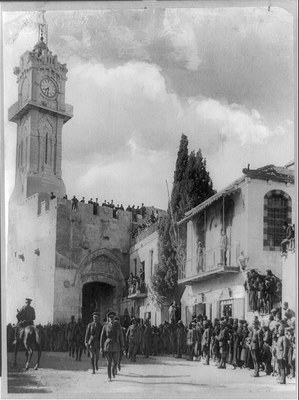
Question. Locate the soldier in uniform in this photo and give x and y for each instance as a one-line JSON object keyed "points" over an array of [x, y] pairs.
{"points": [[223, 344], [255, 347], [147, 335], [25, 317], [112, 343], [133, 338], [69, 335], [206, 342], [92, 340], [179, 338], [79, 339]]}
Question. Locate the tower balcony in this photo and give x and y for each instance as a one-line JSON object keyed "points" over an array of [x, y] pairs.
{"points": [[16, 111]]}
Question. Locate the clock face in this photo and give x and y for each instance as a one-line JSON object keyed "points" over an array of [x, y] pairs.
{"points": [[48, 87]]}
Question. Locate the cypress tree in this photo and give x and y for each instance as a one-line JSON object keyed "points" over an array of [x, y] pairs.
{"points": [[192, 185], [164, 281], [178, 194], [199, 183]]}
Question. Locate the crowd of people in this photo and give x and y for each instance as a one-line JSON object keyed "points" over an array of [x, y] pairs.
{"points": [[267, 345], [53, 337], [136, 284], [135, 210], [264, 291], [262, 345]]}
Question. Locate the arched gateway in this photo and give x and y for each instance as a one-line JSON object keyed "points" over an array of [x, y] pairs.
{"points": [[102, 283]]}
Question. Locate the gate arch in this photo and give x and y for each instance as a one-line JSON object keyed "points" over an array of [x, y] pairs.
{"points": [[103, 266], [99, 271]]}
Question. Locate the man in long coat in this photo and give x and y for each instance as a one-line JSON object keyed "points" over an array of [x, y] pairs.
{"points": [[133, 336], [112, 343], [69, 335]]}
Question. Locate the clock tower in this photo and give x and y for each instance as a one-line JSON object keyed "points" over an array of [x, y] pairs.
{"points": [[39, 113]]}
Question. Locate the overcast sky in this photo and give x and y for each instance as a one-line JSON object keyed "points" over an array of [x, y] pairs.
{"points": [[139, 78]]}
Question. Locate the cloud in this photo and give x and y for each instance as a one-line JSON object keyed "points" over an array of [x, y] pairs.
{"points": [[235, 122], [124, 136], [140, 78], [131, 104], [135, 179]]}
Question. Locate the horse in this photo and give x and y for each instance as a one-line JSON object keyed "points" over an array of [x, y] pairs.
{"points": [[31, 337]]}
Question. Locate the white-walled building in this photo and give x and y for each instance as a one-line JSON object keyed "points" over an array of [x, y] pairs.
{"points": [[144, 258], [251, 211]]}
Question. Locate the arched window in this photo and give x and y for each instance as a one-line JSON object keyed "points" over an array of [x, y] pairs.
{"points": [[46, 149], [277, 209]]}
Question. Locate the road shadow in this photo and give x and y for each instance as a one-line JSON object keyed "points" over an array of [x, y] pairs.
{"points": [[154, 376], [53, 360], [167, 383], [22, 382]]}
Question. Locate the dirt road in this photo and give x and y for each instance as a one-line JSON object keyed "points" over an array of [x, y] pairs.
{"points": [[156, 377]]}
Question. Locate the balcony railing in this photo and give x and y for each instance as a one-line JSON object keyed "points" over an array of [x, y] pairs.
{"points": [[137, 291], [16, 111], [209, 260]]}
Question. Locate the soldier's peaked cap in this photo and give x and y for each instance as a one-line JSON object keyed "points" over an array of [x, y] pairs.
{"points": [[95, 313], [111, 314], [28, 299]]}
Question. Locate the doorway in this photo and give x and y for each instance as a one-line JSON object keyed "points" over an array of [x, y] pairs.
{"points": [[96, 296]]}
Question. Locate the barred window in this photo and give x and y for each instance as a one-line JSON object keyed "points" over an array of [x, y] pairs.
{"points": [[277, 210]]}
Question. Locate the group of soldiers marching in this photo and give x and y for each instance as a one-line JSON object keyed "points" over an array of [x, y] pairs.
{"points": [[263, 345], [268, 346]]}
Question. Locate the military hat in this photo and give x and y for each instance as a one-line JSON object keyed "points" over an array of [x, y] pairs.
{"points": [[28, 299], [95, 313], [111, 314]]}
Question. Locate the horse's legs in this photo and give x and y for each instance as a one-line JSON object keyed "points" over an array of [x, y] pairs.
{"points": [[39, 352], [16, 352], [29, 353]]}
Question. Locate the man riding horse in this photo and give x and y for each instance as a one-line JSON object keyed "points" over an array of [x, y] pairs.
{"points": [[25, 317], [92, 340], [27, 333]]}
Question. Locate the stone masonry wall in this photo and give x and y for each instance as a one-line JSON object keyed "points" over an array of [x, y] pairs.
{"points": [[31, 258], [79, 234]]}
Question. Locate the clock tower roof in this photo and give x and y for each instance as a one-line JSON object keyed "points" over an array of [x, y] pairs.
{"points": [[40, 47]]}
